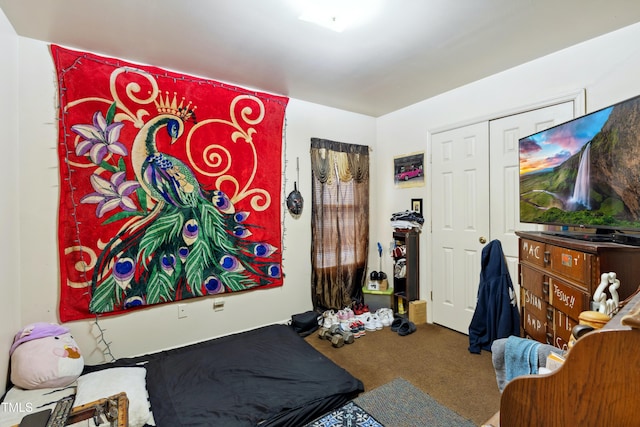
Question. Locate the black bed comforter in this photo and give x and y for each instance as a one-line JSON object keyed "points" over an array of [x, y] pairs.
{"points": [[264, 377]]}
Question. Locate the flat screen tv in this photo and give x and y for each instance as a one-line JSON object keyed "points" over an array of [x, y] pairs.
{"points": [[585, 173]]}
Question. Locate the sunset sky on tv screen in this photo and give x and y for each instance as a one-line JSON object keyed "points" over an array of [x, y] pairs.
{"points": [[550, 148]]}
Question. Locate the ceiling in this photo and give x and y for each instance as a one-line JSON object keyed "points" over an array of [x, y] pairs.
{"points": [[399, 53]]}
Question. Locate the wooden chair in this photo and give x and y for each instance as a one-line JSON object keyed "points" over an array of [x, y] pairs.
{"points": [[598, 384]]}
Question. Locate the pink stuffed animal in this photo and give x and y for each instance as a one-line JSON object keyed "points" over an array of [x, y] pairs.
{"points": [[44, 355]]}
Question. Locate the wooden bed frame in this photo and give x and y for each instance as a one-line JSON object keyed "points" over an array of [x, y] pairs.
{"points": [[598, 384]]}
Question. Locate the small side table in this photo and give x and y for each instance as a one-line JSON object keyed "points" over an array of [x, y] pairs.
{"points": [[378, 299]]}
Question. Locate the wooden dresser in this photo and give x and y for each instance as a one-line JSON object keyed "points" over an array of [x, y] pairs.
{"points": [[558, 276]]}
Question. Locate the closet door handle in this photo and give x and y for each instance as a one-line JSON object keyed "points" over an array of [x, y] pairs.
{"points": [[547, 257]]}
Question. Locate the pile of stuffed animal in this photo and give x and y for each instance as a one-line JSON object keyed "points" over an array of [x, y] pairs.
{"points": [[45, 355]]}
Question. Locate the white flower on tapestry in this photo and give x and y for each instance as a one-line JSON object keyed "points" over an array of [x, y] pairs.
{"points": [[99, 139], [111, 194]]}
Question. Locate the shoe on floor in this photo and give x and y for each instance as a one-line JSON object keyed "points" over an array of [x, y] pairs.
{"points": [[350, 314], [385, 315], [406, 328], [376, 322], [329, 318], [360, 308], [369, 324], [360, 326], [397, 322]]}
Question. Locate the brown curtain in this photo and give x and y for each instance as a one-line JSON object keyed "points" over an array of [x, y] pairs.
{"points": [[339, 222]]}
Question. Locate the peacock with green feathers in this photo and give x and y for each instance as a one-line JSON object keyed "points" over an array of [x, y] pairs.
{"points": [[180, 240]]}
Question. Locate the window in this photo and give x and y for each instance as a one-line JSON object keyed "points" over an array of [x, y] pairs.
{"points": [[340, 222]]}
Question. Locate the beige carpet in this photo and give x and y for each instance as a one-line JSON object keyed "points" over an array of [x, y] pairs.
{"points": [[434, 359]]}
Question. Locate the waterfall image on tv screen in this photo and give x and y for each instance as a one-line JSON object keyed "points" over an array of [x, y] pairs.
{"points": [[585, 172]]}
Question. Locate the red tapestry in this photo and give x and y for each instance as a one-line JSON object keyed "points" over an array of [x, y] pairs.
{"points": [[170, 186]]}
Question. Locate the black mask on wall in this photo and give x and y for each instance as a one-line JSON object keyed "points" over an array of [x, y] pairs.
{"points": [[295, 201]]}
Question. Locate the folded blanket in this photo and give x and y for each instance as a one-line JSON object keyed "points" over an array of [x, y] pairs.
{"points": [[498, 349], [520, 357]]}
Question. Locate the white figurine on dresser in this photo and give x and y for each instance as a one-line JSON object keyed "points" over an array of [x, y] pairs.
{"points": [[602, 304]]}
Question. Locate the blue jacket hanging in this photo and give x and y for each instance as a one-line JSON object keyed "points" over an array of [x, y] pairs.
{"points": [[496, 314]]}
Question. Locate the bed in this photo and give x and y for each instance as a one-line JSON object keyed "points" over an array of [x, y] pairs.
{"points": [[268, 376]]}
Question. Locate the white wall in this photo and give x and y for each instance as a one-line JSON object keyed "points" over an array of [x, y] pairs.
{"points": [[9, 193], [158, 327], [606, 67]]}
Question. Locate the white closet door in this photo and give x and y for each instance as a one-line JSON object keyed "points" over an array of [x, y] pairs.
{"points": [[460, 221], [475, 191]]}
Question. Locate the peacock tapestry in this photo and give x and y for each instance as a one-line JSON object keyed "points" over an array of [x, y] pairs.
{"points": [[170, 186]]}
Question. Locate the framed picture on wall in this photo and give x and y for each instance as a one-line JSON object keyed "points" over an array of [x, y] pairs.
{"points": [[416, 205], [408, 170]]}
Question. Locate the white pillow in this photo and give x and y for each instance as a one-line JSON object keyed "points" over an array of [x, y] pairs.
{"points": [[100, 384]]}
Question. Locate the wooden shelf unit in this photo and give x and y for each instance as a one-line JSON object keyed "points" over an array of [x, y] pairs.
{"points": [[407, 288]]}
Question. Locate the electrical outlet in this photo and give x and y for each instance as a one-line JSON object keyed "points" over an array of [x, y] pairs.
{"points": [[218, 304], [182, 311]]}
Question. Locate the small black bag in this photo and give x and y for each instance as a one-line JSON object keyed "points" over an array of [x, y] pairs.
{"points": [[305, 323]]}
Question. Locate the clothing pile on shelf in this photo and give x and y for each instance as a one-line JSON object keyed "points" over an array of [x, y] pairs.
{"points": [[400, 268], [407, 220]]}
